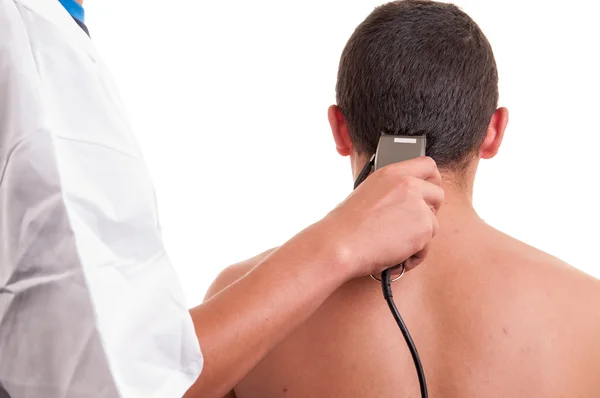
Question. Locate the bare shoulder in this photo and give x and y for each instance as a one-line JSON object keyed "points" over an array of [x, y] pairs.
{"points": [[569, 286], [234, 272], [562, 271], [521, 254], [561, 284], [554, 299], [572, 295]]}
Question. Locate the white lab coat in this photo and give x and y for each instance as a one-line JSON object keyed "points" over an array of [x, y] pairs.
{"points": [[89, 303]]}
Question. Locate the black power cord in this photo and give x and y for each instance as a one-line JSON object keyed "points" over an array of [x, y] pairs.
{"points": [[386, 287]]}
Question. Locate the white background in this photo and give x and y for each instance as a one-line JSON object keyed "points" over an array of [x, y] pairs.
{"points": [[229, 100]]}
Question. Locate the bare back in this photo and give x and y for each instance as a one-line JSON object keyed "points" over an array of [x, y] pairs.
{"points": [[491, 317]]}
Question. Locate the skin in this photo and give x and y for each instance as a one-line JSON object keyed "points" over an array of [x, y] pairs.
{"points": [[275, 294], [491, 316]]}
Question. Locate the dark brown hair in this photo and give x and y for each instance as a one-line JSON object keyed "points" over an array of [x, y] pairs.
{"points": [[419, 68]]}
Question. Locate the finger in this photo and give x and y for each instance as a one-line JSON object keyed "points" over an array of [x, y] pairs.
{"points": [[416, 259], [433, 195], [423, 168], [436, 225]]}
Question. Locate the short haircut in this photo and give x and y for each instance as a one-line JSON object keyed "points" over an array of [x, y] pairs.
{"points": [[419, 68]]}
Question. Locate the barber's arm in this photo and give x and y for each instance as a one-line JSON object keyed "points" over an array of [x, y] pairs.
{"points": [[385, 221]]}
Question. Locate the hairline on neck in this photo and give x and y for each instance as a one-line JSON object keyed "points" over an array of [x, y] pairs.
{"points": [[460, 175]]}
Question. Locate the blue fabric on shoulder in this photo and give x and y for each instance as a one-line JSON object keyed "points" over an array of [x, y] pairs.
{"points": [[75, 9]]}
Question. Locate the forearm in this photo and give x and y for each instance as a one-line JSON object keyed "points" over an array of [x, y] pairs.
{"points": [[239, 326]]}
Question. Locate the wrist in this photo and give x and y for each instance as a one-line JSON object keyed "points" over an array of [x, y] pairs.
{"points": [[325, 241], [319, 252]]}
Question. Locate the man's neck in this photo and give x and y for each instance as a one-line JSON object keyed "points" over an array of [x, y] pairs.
{"points": [[457, 185], [458, 201]]}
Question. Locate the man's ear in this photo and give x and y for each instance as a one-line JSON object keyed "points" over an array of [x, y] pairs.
{"points": [[495, 134], [339, 128]]}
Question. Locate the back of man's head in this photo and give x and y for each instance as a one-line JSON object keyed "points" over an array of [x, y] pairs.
{"points": [[419, 68]]}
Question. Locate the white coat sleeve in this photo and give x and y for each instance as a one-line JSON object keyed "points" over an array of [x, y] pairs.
{"points": [[90, 305]]}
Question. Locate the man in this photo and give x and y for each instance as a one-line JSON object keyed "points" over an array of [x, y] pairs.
{"points": [[491, 316], [89, 303]]}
